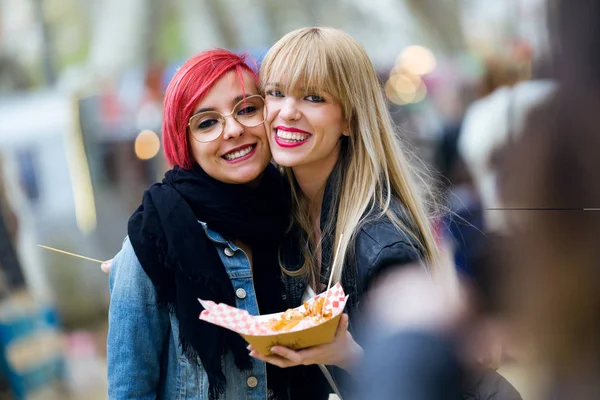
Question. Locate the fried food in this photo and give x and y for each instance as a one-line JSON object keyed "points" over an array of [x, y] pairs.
{"points": [[312, 314]]}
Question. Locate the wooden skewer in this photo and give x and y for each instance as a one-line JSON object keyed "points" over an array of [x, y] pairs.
{"points": [[70, 254], [335, 257]]}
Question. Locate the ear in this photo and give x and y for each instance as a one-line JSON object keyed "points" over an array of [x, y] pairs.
{"points": [[346, 131]]}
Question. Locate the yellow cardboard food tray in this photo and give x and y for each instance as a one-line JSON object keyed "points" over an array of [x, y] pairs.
{"points": [[256, 331]]}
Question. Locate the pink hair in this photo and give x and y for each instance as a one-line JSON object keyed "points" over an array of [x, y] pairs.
{"points": [[189, 85]]}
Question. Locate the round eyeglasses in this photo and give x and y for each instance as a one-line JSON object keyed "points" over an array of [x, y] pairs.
{"points": [[207, 126]]}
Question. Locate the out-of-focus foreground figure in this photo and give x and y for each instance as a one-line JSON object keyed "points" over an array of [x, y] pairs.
{"points": [[547, 269], [552, 268]]}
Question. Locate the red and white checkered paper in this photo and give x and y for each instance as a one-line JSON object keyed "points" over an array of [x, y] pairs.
{"points": [[242, 322]]}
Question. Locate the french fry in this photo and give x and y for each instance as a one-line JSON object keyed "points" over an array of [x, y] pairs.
{"points": [[290, 318], [318, 308]]}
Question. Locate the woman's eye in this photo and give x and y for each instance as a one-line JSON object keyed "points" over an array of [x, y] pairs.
{"points": [[207, 124], [315, 98], [274, 93], [247, 110]]}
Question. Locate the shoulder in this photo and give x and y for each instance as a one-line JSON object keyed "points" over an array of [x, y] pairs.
{"points": [[380, 243], [379, 233], [125, 260], [127, 278]]}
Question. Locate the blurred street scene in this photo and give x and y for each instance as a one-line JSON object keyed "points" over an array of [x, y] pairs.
{"points": [[81, 86]]}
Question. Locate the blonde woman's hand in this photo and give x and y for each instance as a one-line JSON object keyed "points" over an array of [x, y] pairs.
{"points": [[342, 352], [105, 267]]}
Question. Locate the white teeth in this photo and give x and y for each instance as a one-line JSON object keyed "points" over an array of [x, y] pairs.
{"points": [[237, 154], [292, 135]]}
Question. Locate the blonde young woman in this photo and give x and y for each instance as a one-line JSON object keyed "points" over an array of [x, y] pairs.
{"points": [[352, 186]]}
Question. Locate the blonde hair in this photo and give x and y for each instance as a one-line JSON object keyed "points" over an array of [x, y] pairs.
{"points": [[375, 169]]}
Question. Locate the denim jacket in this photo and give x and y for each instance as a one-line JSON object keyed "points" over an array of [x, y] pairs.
{"points": [[145, 358]]}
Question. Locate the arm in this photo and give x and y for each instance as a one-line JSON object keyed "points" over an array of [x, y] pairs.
{"points": [[138, 330]]}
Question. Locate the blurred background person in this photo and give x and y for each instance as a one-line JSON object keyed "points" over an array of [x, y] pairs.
{"points": [[547, 271], [552, 264], [507, 94], [428, 346]]}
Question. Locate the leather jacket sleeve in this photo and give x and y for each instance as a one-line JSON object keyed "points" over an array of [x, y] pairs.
{"points": [[382, 256]]}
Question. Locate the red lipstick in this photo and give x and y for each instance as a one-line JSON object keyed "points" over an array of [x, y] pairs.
{"points": [[289, 143]]}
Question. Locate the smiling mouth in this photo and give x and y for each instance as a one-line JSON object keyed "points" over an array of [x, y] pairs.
{"points": [[291, 137], [238, 153]]}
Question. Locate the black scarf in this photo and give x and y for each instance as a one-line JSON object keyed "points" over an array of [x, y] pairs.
{"points": [[183, 263]]}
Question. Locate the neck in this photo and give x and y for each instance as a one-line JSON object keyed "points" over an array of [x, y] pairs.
{"points": [[311, 179]]}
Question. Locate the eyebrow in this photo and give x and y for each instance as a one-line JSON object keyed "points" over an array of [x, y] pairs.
{"points": [[235, 100]]}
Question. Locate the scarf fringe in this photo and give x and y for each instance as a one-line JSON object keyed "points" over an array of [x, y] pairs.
{"points": [[217, 382], [216, 385]]}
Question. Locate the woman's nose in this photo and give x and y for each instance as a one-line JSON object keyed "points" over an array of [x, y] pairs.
{"points": [[289, 109], [232, 128]]}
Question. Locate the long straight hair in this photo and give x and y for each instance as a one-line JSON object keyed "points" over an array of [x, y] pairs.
{"points": [[374, 167]]}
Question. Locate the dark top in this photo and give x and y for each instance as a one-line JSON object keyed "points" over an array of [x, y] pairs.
{"points": [[410, 365], [424, 366]]}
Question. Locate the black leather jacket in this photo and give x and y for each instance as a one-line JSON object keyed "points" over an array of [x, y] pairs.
{"points": [[377, 245]]}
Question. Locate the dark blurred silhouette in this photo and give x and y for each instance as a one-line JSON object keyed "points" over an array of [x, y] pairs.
{"points": [[11, 274], [547, 267], [553, 260]]}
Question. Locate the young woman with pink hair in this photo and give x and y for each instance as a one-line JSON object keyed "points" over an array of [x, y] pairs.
{"points": [[210, 230]]}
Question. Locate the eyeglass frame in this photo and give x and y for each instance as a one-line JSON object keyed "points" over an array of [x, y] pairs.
{"points": [[224, 116]]}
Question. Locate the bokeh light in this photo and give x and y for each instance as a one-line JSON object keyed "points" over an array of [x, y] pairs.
{"points": [[417, 60], [147, 145], [405, 88]]}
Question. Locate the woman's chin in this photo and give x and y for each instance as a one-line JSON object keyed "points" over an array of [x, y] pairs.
{"points": [[244, 176], [284, 160]]}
